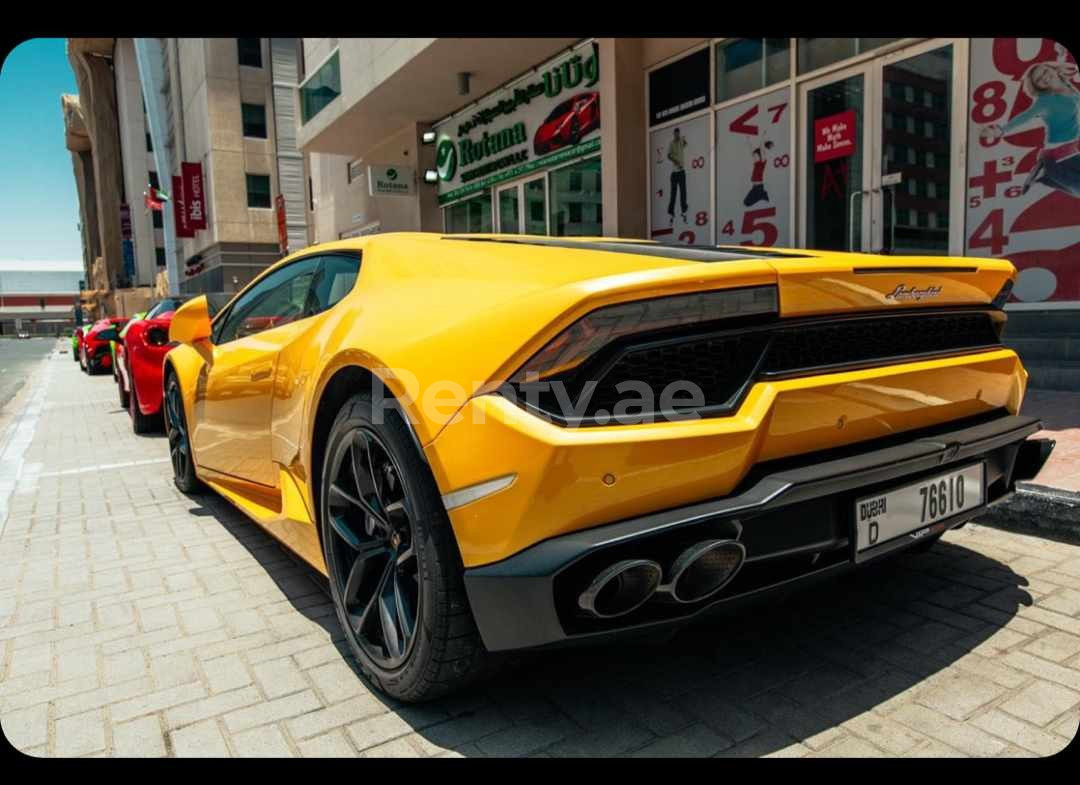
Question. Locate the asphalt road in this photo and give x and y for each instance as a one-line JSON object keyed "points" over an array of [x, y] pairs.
{"points": [[18, 357]]}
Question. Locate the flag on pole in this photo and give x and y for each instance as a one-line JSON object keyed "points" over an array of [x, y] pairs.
{"points": [[155, 198]]}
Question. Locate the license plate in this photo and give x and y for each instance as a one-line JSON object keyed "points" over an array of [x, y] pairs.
{"points": [[913, 507]]}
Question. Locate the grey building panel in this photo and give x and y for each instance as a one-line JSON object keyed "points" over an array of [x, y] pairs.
{"points": [[292, 180]]}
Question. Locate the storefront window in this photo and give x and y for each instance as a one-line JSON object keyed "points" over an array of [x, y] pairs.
{"points": [[471, 215], [535, 207], [508, 210], [817, 53], [575, 199], [747, 64]]}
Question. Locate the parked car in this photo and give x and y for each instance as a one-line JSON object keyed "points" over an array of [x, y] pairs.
{"points": [[94, 353], [793, 415], [114, 346], [140, 351], [24, 334], [76, 343], [567, 123]]}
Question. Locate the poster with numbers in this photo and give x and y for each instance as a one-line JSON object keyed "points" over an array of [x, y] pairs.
{"points": [[680, 164], [1023, 173], [753, 171]]}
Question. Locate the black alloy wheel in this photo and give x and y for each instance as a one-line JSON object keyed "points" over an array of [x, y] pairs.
{"points": [[375, 568], [145, 423], [396, 575], [179, 443]]}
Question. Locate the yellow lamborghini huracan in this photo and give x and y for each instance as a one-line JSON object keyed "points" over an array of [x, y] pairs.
{"points": [[491, 443]]}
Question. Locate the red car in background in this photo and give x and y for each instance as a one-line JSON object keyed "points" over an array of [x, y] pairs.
{"points": [[94, 354], [568, 122], [139, 358]]}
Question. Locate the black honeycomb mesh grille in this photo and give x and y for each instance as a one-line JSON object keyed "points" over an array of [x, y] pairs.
{"points": [[723, 365], [861, 340]]}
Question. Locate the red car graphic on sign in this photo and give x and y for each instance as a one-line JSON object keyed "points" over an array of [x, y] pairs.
{"points": [[568, 122]]}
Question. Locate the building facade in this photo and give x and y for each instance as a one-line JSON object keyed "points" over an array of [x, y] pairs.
{"points": [[945, 146], [237, 181], [235, 178], [38, 297]]}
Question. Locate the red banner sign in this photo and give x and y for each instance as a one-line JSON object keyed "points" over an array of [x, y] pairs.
{"points": [[180, 211], [834, 136], [283, 234], [194, 194]]}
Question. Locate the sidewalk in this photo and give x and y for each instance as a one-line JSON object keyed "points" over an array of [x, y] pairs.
{"points": [[1060, 413], [1050, 503]]}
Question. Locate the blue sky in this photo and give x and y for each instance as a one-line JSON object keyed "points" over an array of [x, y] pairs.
{"points": [[39, 210]]}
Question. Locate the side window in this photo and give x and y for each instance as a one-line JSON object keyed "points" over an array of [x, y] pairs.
{"points": [[277, 299], [335, 279]]}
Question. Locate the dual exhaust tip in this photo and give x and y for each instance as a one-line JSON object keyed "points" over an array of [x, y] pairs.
{"points": [[697, 573]]}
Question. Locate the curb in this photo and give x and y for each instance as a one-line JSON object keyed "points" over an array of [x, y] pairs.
{"points": [[1039, 509]]}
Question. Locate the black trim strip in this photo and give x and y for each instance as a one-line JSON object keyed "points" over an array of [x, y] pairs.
{"points": [[903, 270], [682, 253]]}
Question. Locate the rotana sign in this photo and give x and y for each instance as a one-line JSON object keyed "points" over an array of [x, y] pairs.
{"points": [[556, 118]]}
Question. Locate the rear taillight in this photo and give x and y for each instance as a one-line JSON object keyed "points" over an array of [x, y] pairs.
{"points": [[635, 361], [587, 336]]}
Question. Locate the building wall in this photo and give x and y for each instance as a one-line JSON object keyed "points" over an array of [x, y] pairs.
{"points": [[343, 206], [212, 85]]}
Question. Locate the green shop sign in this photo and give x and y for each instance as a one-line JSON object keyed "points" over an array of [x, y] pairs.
{"points": [[552, 112], [565, 76], [522, 169]]}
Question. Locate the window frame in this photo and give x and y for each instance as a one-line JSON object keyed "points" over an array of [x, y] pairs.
{"points": [[244, 122], [240, 51], [218, 321], [269, 191]]}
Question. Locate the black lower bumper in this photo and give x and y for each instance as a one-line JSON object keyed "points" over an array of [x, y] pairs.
{"points": [[795, 519]]}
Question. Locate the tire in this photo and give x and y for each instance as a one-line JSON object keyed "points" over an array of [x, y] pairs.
{"points": [[140, 423], [125, 396], [443, 653], [176, 429]]}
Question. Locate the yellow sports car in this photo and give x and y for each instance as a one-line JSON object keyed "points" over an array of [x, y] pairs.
{"points": [[492, 442]]}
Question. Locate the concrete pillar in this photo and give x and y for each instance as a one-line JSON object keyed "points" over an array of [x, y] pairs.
{"points": [[83, 166], [430, 213], [102, 124], [622, 137]]}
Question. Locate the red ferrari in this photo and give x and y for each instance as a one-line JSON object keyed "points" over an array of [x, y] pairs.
{"points": [[568, 122], [140, 353], [94, 353]]}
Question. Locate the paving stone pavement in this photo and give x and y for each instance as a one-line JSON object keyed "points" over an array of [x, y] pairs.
{"points": [[135, 621]]}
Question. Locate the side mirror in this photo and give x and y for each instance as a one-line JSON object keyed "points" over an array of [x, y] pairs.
{"points": [[191, 322]]}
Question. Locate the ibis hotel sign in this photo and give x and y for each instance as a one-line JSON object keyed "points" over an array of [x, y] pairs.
{"points": [[543, 119]]}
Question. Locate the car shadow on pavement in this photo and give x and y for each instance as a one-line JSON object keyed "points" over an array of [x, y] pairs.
{"points": [[779, 677]]}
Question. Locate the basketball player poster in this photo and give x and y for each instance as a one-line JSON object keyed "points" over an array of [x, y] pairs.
{"points": [[753, 171], [680, 167]]}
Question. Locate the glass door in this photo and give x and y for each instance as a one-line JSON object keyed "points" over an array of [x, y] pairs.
{"points": [[522, 207], [882, 153], [833, 158], [509, 210], [917, 188]]}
